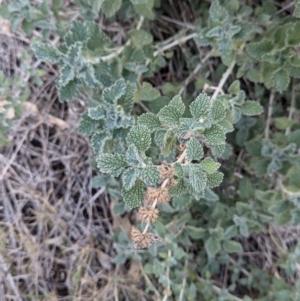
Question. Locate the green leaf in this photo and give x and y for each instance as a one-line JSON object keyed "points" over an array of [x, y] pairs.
{"points": [[150, 120], [140, 37], [218, 111], [218, 13], [129, 177], [111, 164], [209, 165], [251, 108], [133, 197], [150, 175], [179, 189], [215, 179], [46, 52], [232, 246], [87, 74], [296, 12], [97, 113], [258, 49], [66, 75], [148, 93], [96, 4], [197, 178], [178, 170], [78, 32], [145, 8], [139, 136], [195, 232], [201, 107], [282, 123], [127, 100], [236, 114], [98, 141], [218, 150], [194, 150], [281, 80], [214, 135], [176, 102], [134, 2], [212, 246], [69, 91], [169, 115], [234, 88], [87, 126], [114, 92], [110, 7]]}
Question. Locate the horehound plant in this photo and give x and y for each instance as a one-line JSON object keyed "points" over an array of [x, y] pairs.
{"points": [[200, 137]]}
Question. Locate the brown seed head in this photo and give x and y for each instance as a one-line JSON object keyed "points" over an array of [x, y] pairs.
{"points": [[166, 171], [148, 215], [161, 194]]}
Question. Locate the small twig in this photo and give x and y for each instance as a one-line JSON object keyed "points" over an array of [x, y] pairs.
{"points": [[194, 72], [270, 112], [168, 277], [292, 108]]}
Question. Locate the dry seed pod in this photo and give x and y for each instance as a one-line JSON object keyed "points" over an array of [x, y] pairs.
{"points": [[148, 215], [142, 240], [161, 194], [166, 171]]}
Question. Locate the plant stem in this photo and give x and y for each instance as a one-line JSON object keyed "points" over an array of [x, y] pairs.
{"points": [[270, 112], [184, 281], [292, 108], [168, 276]]}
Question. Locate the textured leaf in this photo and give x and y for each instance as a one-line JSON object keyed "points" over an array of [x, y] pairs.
{"points": [[129, 177], [46, 52], [194, 150], [212, 246], [98, 141], [214, 179], [98, 39], [78, 32], [87, 126], [195, 232], [133, 157], [178, 170], [96, 4], [217, 12], [111, 164], [225, 46], [209, 165], [133, 197], [281, 80], [110, 7], [140, 136], [148, 93], [296, 12], [150, 120], [176, 102], [236, 114], [73, 57], [232, 246], [214, 135], [218, 150], [201, 107], [179, 189], [69, 91], [97, 113], [218, 111], [258, 49], [198, 178], [140, 37], [66, 75], [145, 9], [227, 126], [169, 115], [150, 175], [234, 88], [87, 74], [114, 92], [103, 74], [138, 1], [251, 108]]}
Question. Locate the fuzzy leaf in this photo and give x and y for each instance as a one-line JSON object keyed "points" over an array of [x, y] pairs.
{"points": [[97, 113], [87, 74], [78, 32], [176, 102], [209, 165], [236, 114], [139, 136], [214, 135], [98, 141], [215, 179], [140, 37], [251, 108], [148, 93], [178, 170], [110, 7], [96, 4], [129, 177], [145, 8], [114, 92], [258, 49], [218, 111], [198, 178], [212, 246], [234, 88], [133, 197], [46, 52], [179, 189], [133, 157], [169, 115], [232, 246], [281, 80], [69, 91], [111, 164], [217, 12], [150, 120], [66, 75], [150, 175], [194, 150], [87, 126], [201, 107]]}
